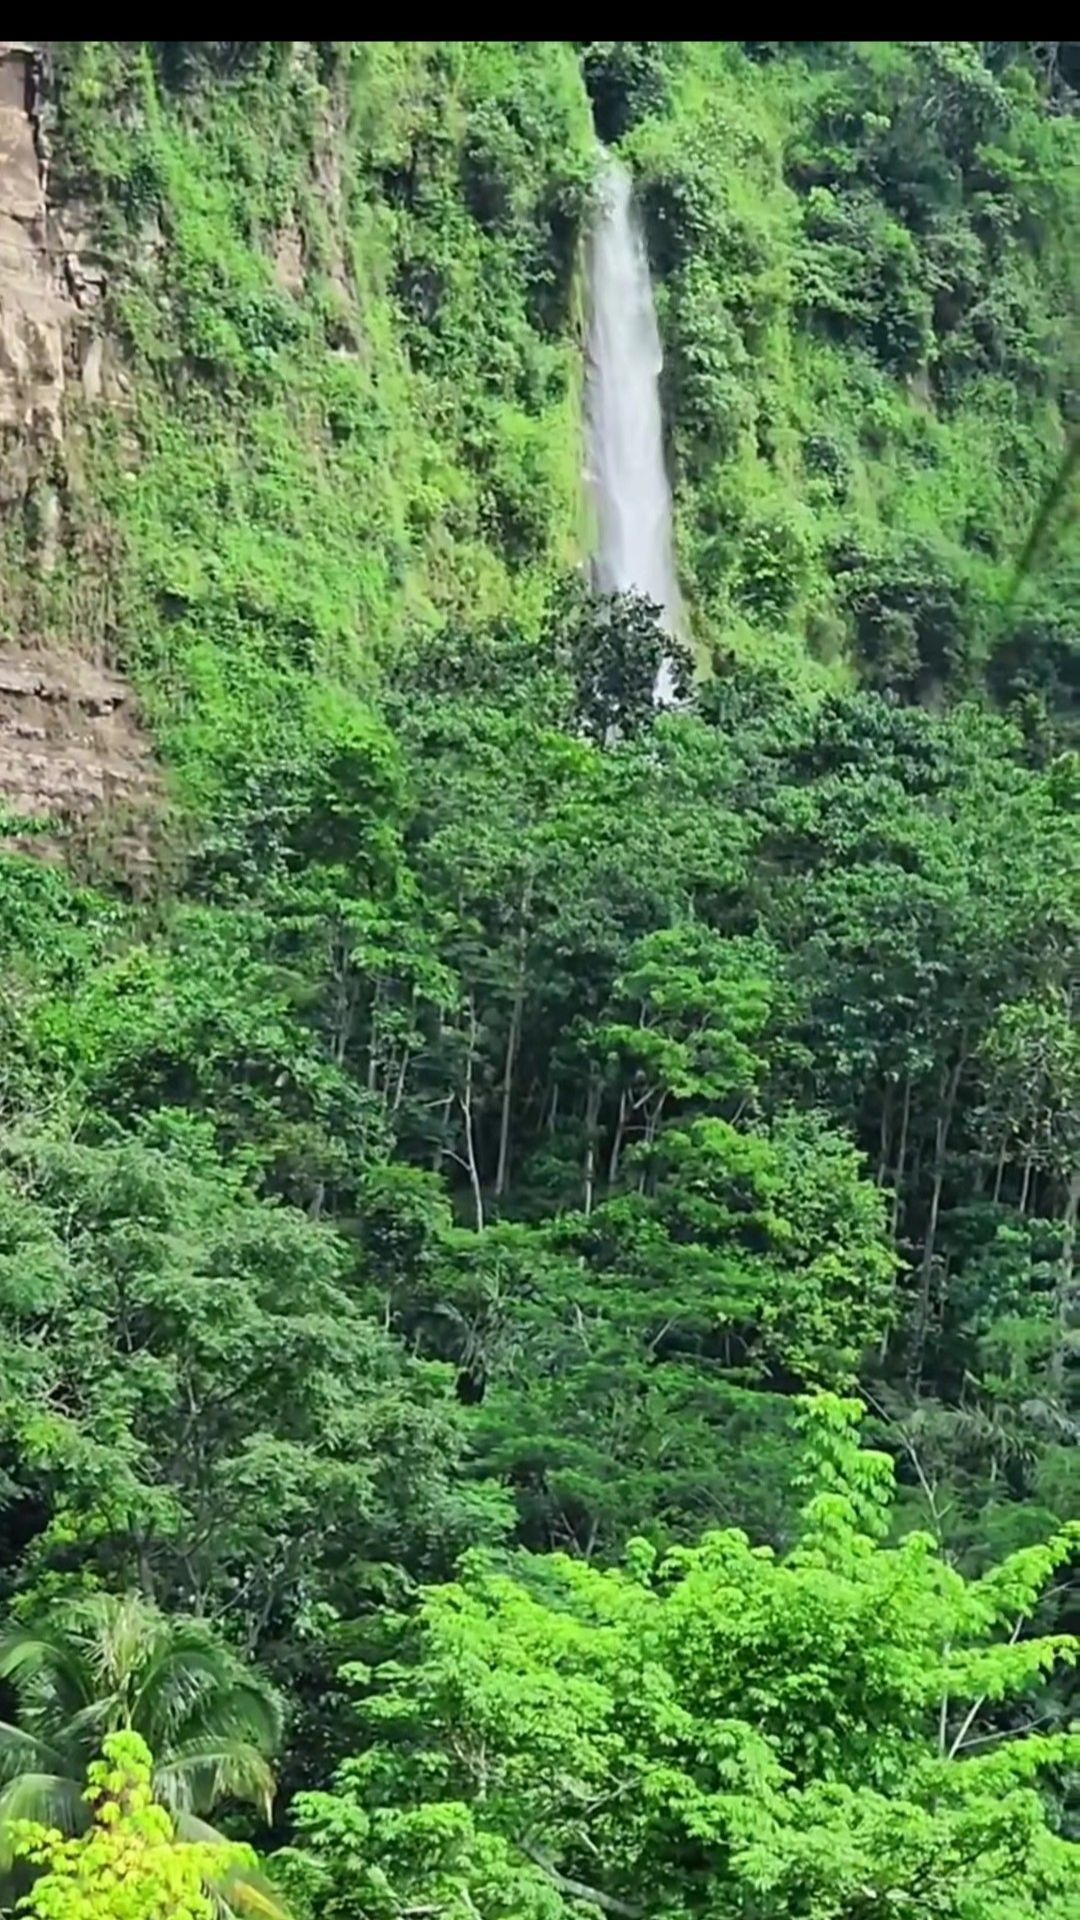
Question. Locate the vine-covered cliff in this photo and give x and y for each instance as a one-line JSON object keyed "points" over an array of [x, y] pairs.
{"points": [[475, 1141]]}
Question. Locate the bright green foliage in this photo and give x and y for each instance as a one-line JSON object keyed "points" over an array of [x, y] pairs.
{"points": [[1033, 1059], [868, 302], [340, 277], [830, 1733], [756, 1259], [195, 1399], [694, 1003], [129, 1865], [100, 1666], [498, 1100]]}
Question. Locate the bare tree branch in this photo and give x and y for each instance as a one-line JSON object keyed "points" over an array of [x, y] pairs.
{"points": [[577, 1889]]}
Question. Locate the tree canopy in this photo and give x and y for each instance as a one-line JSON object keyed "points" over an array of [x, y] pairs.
{"points": [[717, 1728], [539, 1292]]}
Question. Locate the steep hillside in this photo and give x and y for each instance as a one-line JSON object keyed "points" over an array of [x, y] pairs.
{"points": [[539, 1298], [317, 306], [866, 259], [328, 395]]}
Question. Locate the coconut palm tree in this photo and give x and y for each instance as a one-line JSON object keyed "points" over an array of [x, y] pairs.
{"points": [[106, 1665]]}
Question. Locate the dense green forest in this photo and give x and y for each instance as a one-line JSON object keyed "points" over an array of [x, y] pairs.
{"points": [[539, 1287]]}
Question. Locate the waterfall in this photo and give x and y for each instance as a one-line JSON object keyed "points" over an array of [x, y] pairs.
{"points": [[625, 429]]}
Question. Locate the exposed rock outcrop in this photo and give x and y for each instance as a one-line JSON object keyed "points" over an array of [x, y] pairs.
{"points": [[70, 743], [33, 300]]}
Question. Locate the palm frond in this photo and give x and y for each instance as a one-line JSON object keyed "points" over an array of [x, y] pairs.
{"points": [[191, 1683], [119, 1632], [242, 1890], [245, 1710], [49, 1798], [115, 1662], [84, 1731], [246, 1891], [50, 1658], [23, 1750], [200, 1772]]}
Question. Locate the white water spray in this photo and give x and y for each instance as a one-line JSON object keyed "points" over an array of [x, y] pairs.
{"points": [[625, 430]]}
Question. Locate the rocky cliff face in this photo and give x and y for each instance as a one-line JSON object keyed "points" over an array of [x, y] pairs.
{"points": [[33, 303], [70, 745]]}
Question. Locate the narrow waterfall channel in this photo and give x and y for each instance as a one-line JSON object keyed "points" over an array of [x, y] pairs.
{"points": [[634, 551]]}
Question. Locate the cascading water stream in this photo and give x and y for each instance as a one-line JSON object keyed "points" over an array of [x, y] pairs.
{"points": [[627, 475]]}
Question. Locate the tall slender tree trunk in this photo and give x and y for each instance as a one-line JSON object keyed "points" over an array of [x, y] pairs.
{"points": [[502, 1167], [397, 1076], [653, 1117], [399, 1081], [617, 1143], [999, 1170], [592, 1115], [950, 1086], [373, 1041], [513, 1040], [343, 1002], [885, 1132], [467, 1118], [438, 1151], [1066, 1287], [901, 1156]]}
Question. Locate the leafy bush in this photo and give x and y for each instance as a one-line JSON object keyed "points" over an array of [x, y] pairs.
{"points": [[914, 619], [708, 379], [626, 81], [860, 277], [773, 556]]}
